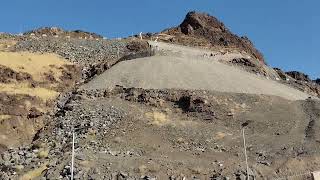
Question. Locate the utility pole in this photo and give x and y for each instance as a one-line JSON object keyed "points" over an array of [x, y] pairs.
{"points": [[245, 151], [72, 155]]}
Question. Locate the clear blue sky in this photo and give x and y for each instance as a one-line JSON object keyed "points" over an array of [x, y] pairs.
{"points": [[286, 31]]}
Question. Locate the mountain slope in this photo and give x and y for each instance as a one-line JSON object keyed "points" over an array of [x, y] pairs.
{"points": [[180, 115]]}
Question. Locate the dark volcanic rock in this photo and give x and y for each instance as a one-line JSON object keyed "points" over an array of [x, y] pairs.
{"points": [[210, 29]]}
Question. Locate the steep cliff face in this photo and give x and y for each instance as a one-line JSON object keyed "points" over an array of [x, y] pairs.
{"points": [[203, 29]]}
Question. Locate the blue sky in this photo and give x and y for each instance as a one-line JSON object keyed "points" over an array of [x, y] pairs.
{"points": [[286, 31]]}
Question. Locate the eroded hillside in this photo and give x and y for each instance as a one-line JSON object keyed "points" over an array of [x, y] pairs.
{"points": [[29, 85]]}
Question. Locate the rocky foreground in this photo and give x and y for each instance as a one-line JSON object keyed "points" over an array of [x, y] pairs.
{"points": [[160, 134]]}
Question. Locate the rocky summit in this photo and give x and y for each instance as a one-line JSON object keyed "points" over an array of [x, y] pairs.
{"points": [[201, 28], [173, 105]]}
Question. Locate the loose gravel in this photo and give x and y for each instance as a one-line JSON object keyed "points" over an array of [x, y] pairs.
{"points": [[80, 51]]}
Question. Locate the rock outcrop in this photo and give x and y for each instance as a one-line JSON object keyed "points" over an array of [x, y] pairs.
{"points": [[58, 32], [300, 81], [281, 74], [203, 29], [298, 76]]}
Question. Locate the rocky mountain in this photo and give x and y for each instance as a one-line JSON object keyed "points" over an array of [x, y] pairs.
{"points": [[200, 29], [171, 105], [205, 31]]}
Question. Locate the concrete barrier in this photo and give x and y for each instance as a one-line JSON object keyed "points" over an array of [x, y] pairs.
{"points": [[316, 175]]}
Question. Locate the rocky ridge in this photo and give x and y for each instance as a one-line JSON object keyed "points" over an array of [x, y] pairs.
{"points": [[58, 32], [200, 29], [300, 81]]}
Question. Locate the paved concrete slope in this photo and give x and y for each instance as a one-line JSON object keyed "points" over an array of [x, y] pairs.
{"points": [[160, 72], [223, 55]]}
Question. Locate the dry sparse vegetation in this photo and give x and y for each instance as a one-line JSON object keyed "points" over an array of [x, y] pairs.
{"points": [[37, 65]]}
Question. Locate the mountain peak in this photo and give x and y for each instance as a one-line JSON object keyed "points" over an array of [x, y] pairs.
{"points": [[195, 21], [202, 28]]}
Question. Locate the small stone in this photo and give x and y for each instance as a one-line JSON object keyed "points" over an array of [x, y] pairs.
{"points": [[196, 170], [118, 140], [43, 153], [80, 157], [114, 153], [19, 168], [123, 174]]}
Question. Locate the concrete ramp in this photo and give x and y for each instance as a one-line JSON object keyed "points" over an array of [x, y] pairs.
{"points": [[159, 72]]}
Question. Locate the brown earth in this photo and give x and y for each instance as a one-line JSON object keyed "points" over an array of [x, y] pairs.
{"points": [[8, 75], [275, 139], [29, 85], [38, 78], [175, 134]]}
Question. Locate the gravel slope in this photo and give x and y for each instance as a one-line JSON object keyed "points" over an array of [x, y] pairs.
{"points": [[159, 72]]}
